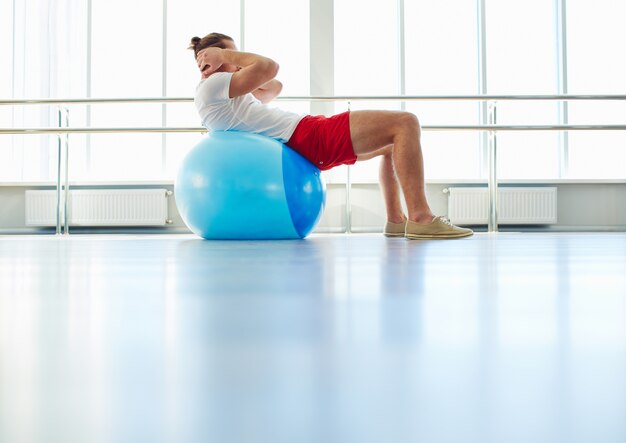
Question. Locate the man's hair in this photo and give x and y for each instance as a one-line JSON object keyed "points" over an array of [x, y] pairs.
{"points": [[214, 39]]}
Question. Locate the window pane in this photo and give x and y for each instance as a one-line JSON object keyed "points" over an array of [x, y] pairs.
{"points": [[7, 161], [126, 62], [521, 59], [441, 59], [126, 59], [6, 52], [30, 158], [366, 48], [596, 65], [68, 64]]}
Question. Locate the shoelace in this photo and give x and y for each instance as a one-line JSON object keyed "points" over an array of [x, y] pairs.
{"points": [[446, 221]]}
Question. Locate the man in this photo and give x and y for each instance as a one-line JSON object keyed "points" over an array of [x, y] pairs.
{"points": [[233, 93]]}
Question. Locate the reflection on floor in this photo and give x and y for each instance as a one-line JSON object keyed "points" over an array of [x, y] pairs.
{"points": [[337, 338]]}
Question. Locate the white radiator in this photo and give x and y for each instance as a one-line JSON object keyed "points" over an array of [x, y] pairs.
{"points": [[516, 206], [100, 207]]}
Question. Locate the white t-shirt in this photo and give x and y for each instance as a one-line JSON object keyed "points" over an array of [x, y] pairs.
{"points": [[219, 112]]}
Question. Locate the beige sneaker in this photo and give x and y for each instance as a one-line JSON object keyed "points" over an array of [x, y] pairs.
{"points": [[394, 229], [440, 227]]}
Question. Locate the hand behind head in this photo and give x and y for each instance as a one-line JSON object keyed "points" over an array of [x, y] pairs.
{"points": [[209, 60]]}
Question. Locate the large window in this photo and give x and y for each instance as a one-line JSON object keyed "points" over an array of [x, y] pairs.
{"points": [[126, 63], [366, 49], [137, 48]]}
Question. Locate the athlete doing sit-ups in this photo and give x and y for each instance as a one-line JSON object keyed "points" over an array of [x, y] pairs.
{"points": [[232, 95]]}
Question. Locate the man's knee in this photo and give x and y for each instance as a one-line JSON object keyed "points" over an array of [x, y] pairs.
{"points": [[411, 120], [407, 121]]}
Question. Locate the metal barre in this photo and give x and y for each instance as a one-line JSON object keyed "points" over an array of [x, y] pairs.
{"points": [[56, 101], [426, 128]]}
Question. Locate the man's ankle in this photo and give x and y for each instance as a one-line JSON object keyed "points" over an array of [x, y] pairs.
{"points": [[423, 219], [396, 219]]}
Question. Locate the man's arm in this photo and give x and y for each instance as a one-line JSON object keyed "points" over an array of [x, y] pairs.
{"points": [[268, 91], [253, 73]]}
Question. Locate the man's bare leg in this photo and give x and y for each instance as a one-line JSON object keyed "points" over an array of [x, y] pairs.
{"points": [[388, 183], [391, 189], [372, 131]]}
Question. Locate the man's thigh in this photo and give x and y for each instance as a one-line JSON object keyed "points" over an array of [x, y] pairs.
{"points": [[382, 151], [373, 130]]}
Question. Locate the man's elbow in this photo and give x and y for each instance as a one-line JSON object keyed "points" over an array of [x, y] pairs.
{"points": [[279, 87], [271, 69]]}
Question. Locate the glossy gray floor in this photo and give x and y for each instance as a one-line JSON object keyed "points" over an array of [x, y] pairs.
{"points": [[337, 338]]}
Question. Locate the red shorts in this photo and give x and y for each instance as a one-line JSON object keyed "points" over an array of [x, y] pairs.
{"points": [[324, 141]]}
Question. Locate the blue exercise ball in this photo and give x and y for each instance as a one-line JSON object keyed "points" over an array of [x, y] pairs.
{"points": [[238, 185]]}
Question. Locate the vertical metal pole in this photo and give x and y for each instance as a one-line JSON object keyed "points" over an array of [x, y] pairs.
{"points": [[348, 197], [322, 55], [59, 163], [401, 38], [482, 83], [493, 177], [348, 202], [66, 198], [561, 66], [242, 24]]}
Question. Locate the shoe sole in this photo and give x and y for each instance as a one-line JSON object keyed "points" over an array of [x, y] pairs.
{"points": [[388, 234], [442, 237]]}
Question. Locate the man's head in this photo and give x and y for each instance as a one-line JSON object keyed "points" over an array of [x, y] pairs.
{"points": [[216, 40]]}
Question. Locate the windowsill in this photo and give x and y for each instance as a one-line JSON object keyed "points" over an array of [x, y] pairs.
{"points": [[361, 182]]}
